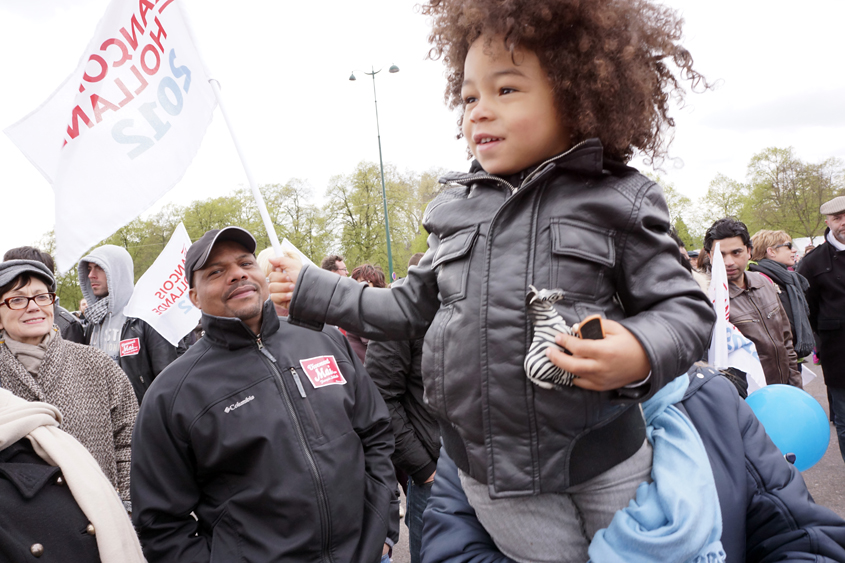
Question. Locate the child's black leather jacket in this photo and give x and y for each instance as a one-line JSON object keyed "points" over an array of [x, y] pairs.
{"points": [[594, 228]]}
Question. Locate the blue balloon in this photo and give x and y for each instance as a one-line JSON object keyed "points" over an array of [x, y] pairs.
{"points": [[795, 422]]}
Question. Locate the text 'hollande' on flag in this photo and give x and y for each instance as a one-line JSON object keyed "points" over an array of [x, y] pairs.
{"points": [[161, 295], [123, 128]]}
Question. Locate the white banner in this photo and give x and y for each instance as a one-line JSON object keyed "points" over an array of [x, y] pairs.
{"points": [[719, 297], [123, 128], [161, 295]]}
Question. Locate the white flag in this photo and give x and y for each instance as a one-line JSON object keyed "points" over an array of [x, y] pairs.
{"points": [[728, 347], [718, 292], [161, 295], [123, 128]]}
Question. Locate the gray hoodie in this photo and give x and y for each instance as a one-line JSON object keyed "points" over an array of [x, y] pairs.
{"points": [[120, 276]]}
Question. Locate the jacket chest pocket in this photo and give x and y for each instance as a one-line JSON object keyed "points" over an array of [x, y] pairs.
{"points": [[581, 256], [451, 262]]}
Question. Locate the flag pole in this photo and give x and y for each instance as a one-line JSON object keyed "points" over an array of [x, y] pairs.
{"points": [[259, 200]]}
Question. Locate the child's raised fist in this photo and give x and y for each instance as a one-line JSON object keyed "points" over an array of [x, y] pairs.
{"points": [[283, 278]]}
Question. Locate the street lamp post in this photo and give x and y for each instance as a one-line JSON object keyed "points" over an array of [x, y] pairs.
{"points": [[393, 69]]}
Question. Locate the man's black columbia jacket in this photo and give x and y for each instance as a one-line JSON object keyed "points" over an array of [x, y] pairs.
{"points": [[280, 445]]}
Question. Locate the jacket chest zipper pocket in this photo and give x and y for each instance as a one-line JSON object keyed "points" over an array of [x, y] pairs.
{"points": [[311, 416], [451, 262], [581, 254]]}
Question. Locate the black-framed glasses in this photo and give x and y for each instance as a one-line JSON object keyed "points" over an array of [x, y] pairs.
{"points": [[21, 302], [786, 244]]}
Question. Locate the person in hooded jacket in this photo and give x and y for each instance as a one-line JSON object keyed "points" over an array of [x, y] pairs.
{"points": [[107, 279]]}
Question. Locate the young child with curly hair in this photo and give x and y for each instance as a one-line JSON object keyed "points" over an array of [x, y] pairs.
{"points": [[555, 96]]}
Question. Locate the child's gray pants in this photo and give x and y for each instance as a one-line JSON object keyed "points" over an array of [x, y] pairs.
{"points": [[558, 527]]}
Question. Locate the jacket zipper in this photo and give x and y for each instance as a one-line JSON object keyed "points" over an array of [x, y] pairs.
{"points": [[540, 167], [769, 334], [300, 434], [513, 188], [301, 389]]}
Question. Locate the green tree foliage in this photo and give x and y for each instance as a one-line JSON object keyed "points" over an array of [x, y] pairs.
{"points": [[724, 198], [681, 212], [690, 242], [355, 210], [786, 192]]}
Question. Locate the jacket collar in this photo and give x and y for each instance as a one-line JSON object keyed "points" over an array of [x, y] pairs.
{"points": [[753, 280], [232, 333], [587, 157]]}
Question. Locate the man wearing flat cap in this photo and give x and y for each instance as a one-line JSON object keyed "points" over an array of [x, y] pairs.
{"points": [[271, 434], [824, 268]]}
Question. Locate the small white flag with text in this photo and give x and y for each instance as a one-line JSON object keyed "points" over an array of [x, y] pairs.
{"points": [[161, 295]]}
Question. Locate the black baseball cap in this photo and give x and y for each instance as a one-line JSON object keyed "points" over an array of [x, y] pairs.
{"points": [[199, 251]]}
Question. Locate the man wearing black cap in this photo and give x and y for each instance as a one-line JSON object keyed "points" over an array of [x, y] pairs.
{"points": [[824, 268], [271, 434]]}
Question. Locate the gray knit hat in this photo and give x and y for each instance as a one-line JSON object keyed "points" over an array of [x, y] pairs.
{"points": [[834, 206], [11, 269]]}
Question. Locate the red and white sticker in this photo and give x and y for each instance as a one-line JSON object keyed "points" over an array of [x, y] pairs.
{"points": [[322, 371], [130, 347]]}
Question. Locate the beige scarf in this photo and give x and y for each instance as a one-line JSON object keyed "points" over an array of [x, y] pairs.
{"points": [[29, 355], [92, 491]]}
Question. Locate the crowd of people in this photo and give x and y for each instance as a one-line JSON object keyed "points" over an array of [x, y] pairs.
{"points": [[590, 429]]}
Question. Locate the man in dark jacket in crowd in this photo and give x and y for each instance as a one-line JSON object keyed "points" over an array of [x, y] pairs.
{"points": [[756, 309], [107, 279], [824, 268], [395, 367], [767, 512], [272, 435], [70, 327]]}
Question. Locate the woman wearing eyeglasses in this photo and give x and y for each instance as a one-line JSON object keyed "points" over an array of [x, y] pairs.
{"points": [[36, 364], [773, 254]]}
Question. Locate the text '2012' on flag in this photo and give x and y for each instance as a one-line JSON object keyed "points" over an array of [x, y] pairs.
{"points": [[123, 128]]}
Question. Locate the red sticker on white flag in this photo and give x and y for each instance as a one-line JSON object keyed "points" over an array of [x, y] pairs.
{"points": [[322, 371]]}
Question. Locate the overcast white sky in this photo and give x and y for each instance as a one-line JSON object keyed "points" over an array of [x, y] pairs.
{"points": [[284, 67]]}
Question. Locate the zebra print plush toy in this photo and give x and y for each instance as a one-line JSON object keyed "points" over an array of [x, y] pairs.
{"points": [[547, 324]]}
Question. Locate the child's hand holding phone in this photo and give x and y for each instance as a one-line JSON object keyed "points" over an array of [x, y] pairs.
{"points": [[601, 364]]}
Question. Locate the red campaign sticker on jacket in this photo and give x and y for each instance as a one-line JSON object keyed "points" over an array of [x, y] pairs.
{"points": [[322, 371], [130, 347]]}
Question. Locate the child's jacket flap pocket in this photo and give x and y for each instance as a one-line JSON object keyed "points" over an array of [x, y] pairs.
{"points": [[455, 246], [582, 240]]}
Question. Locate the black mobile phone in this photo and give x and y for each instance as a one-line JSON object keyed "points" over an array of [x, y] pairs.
{"points": [[591, 328]]}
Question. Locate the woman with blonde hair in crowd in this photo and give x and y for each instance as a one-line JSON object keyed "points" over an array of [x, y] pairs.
{"points": [[773, 253]]}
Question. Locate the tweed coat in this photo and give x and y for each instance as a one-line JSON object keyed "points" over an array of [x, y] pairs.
{"points": [[93, 394]]}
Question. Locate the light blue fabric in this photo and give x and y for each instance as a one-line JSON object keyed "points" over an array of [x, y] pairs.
{"points": [[676, 517]]}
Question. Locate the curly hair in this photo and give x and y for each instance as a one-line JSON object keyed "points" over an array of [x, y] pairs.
{"points": [[607, 61]]}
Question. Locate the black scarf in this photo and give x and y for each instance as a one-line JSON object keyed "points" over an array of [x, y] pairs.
{"points": [[795, 285]]}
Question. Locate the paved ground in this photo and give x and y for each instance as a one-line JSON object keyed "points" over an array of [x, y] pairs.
{"points": [[825, 480]]}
